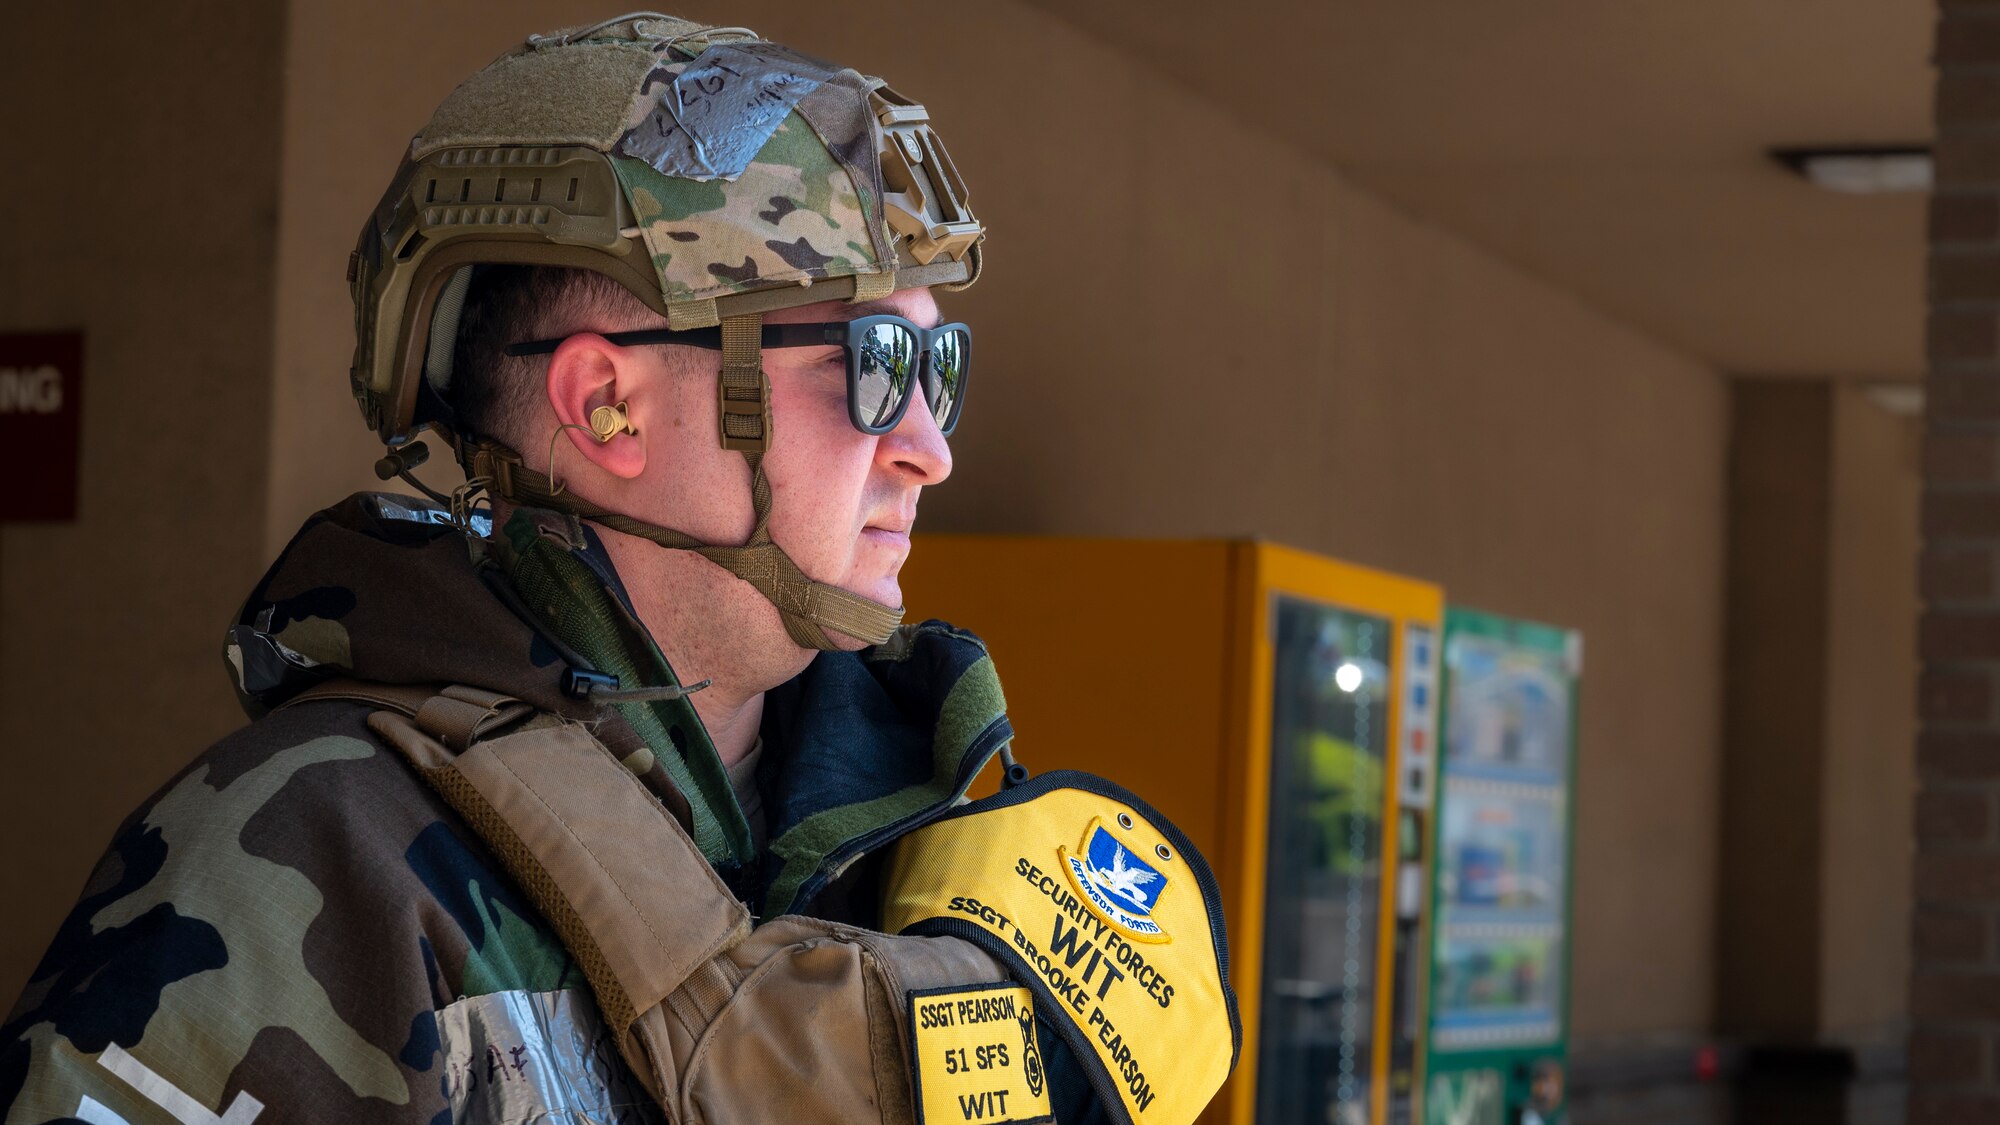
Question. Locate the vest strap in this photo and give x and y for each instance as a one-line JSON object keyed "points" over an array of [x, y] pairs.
{"points": [[611, 870], [795, 1019]]}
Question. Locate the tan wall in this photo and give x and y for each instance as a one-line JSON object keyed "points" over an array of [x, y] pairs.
{"points": [[141, 173], [1189, 329], [1541, 462], [143, 215], [1869, 782]]}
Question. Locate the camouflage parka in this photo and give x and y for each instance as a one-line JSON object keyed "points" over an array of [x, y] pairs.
{"points": [[296, 928]]}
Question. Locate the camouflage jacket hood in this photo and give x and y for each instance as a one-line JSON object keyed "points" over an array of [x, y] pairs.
{"points": [[296, 928], [383, 589]]}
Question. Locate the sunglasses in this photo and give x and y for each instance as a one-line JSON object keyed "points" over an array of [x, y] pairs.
{"points": [[887, 357]]}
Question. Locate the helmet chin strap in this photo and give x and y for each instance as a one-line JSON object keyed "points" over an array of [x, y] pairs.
{"points": [[811, 610]]}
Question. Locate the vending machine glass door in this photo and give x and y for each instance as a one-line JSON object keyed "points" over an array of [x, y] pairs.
{"points": [[1330, 729]]}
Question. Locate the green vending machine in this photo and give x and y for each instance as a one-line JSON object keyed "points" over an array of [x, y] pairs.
{"points": [[1499, 967]]}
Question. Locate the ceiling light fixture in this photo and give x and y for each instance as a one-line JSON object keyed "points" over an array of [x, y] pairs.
{"points": [[1905, 400], [1861, 169]]}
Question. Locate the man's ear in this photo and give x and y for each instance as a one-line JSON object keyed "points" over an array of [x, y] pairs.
{"points": [[588, 372]]}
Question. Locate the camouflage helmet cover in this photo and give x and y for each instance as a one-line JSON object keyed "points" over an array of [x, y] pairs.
{"points": [[710, 172]]}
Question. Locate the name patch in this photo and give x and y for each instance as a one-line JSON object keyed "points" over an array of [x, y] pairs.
{"points": [[974, 1056]]}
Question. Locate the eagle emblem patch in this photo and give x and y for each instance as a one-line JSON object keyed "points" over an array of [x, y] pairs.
{"points": [[1121, 887]]}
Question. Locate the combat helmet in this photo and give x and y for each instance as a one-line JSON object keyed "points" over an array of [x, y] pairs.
{"points": [[714, 174]]}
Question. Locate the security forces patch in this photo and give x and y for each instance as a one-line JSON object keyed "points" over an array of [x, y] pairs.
{"points": [[1119, 885], [1152, 1026]]}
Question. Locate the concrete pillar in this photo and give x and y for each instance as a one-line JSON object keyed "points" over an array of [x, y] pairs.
{"points": [[1815, 827]]}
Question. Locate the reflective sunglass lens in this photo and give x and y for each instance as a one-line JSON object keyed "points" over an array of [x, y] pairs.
{"points": [[950, 353], [884, 368]]}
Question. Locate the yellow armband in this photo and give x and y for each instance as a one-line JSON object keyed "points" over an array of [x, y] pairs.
{"points": [[1106, 913]]}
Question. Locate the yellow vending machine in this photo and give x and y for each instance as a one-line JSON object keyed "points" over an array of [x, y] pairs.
{"points": [[1281, 708]]}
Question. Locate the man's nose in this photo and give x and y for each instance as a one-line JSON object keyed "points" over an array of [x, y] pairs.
{"points": [[916, 447]]}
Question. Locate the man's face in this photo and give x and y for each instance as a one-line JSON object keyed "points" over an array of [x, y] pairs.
{"points": [[842, 502]]}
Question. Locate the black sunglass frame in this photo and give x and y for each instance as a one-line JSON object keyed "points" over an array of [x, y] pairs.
{"points": [[841, 333]]}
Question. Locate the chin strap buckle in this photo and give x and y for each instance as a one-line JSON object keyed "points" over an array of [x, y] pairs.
{"points": [[746, 420], [743, 394]]}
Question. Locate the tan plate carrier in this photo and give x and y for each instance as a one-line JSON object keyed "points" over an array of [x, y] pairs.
{"points": [[795, 1019]]}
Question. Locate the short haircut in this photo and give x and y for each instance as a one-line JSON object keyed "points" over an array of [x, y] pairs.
{"points": [[494, 394]]}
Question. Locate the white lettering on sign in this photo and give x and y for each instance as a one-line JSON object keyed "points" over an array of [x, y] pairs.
{"points": [[1465, 1098], [36, 390]]}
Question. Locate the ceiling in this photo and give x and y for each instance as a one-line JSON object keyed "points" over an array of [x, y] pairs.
{"points": [[1615, 149]]}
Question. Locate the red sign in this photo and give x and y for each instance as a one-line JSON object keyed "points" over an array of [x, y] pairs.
{"points": [[41, 396]]}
